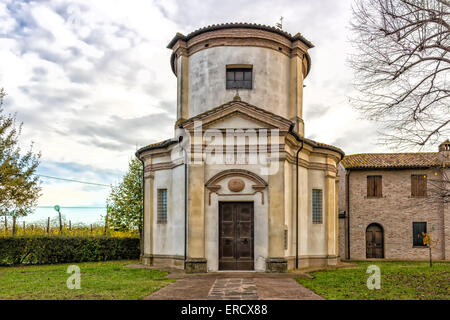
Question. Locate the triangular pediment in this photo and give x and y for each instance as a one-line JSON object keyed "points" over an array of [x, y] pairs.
{"points": [[238, 114]]}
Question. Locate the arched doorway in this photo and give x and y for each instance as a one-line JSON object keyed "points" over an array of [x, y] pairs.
{"points": [[374, 241]]}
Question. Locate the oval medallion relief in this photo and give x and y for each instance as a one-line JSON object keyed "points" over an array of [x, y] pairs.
{"points": [[236, 185]]}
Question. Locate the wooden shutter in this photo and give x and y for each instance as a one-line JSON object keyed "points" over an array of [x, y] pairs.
{"points": [[422, 186], [378, 187], [374, 186], [418, 185], [370, 186], [414, 185]]}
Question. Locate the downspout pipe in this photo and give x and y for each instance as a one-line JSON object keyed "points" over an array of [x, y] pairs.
{"points": [[296, 206], [347, 176]]}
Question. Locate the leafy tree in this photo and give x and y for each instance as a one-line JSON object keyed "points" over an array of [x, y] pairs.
{"points": [[401, 65], [125, 200], [19, 185]]}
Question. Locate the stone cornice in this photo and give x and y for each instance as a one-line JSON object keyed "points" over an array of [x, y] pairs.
{"points": [[240, 34]]}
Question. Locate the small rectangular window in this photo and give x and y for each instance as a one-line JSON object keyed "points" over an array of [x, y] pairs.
{"points": [[317, 216], [418, 185], [418, 228], [162, 206], [374, 186], [239, 78]]}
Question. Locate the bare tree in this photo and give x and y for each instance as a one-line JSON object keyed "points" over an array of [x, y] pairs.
{"points": [[402, 68], [439, 187]]}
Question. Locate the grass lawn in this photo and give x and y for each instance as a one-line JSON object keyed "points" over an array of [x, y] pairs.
{"points": [[399, 281], [99, 280]]}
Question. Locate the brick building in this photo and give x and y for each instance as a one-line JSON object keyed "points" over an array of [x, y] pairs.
{"points": [[387, 200]]}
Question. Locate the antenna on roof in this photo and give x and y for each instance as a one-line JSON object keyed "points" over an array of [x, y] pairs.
{"points": [[279, 25]]}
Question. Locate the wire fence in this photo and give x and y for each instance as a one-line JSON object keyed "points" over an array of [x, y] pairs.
{"points": [[54, 222], [59, 225]]}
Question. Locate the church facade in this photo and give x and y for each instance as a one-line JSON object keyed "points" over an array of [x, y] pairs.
{"points": [[239, 186]]}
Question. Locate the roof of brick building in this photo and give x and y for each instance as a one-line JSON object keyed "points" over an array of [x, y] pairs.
{"points": [[391, 160]]}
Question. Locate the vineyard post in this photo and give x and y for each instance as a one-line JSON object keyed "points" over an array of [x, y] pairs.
{"points": [[24, 226], [91, 228], [106, 219], [48, 225], [70, 225], [58, 209], [6, 224], [14, 226]]}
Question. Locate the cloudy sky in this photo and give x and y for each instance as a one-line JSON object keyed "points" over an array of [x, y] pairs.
{"points": [[91, 80]]}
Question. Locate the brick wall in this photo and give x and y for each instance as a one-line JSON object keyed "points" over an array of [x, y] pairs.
{"points": [[395, 212], [342, 207]]}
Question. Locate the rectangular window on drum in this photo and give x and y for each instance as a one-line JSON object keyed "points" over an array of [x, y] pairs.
{"points": [[418, 228], [239, 78], [317, 216], [162, 206]]}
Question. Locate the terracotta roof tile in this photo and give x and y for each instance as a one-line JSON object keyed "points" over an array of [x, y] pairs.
{"points": [[247, 25], [156, 145], [391, 160]]}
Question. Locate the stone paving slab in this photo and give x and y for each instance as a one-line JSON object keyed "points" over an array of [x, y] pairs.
{"points": [[233, 289], [229, 286], [283, 289], [184, 289]]}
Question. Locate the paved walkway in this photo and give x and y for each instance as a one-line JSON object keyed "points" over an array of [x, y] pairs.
{"points": [[235, 286]]}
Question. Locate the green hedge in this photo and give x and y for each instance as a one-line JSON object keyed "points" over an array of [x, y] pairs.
{"points": [[63, 249]]}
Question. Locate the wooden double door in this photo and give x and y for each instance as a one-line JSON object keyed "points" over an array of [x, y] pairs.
{"points": [[236, 240], [374, 241]]}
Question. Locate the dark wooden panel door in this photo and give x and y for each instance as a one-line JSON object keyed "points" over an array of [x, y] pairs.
{"points": [[374, 241], [236, 236]]}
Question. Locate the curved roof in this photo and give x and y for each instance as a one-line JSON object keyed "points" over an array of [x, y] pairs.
{"points": [[157, 145], [232, 25]]}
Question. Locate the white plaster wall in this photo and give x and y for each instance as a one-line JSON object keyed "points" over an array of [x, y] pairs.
{"points": [[317, 240], [303, 214], [289, 207], [261, 217], [169, 238], [207, 76]]}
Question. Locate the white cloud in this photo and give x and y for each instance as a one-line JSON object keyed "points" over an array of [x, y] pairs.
{"points": [[92, 79]]}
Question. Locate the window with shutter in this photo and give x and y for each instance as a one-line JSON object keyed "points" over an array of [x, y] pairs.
{"points": [[418, 228], [374, 186], [418, 185]]}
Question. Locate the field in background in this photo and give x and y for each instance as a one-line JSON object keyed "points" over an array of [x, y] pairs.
{"points": [[51, 225], [94, 230]]}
